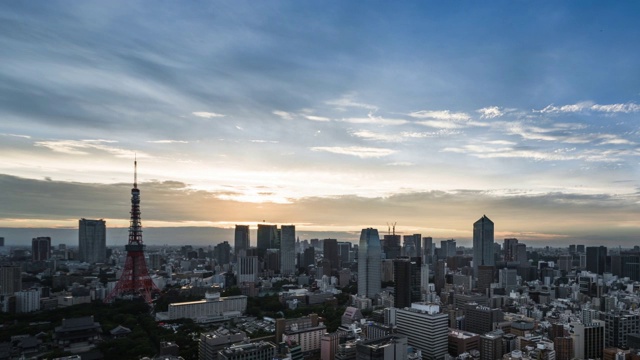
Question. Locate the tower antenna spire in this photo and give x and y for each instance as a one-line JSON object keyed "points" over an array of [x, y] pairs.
{"points": [[135, 171]]}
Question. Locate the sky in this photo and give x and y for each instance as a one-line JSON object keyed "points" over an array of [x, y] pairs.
{"points": [[330, 115]]}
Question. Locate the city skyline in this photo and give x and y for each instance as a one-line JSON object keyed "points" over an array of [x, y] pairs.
{"points": [[331, 117]]}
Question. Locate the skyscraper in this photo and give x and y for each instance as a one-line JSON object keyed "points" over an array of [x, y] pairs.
{"points": [[92, 241], [407, 282], [509, 249], [10, 279], [268, 237], [288, 250], [483, 251], [40, 248], [241, 240], [369, 256], [330, 253], [596, 259], [427, 249]]}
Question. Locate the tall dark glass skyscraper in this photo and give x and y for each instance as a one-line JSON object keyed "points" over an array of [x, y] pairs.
{"points": [[369, 259], [241, 240], [483, 250], [596, 259]]}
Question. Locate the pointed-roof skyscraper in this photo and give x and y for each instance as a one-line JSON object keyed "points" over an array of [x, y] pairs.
{"points": [[483, 250]]}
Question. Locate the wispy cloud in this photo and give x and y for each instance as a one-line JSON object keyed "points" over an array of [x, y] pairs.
{"points": [[589, 106], [17, 135], [561, 132], [394, 137], [316, 118], [445, 119], [400, 163], [359, 151], [348, 101], [557, 154], [283, 114], [168, 142], [260, 141], [207, 115], [375, 120], [81, 147], [440, 115]]}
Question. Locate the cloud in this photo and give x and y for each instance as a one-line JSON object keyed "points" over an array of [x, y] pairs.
{"points": [[168, 142], [557, 154], [561, 132], [347, 101], [445, 119], [440, 115], [359, 151], [589, 106], [207, 115], [490, 112], [81, 147], [316, 118], [16, 135], [283, 114], [374, 120], [400, 163], [394, 137]]}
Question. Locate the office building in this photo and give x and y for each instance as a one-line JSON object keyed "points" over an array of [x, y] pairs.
{"points": [[391, 246], [369, 255], [241, 240], [407, 282], [267, 238], [563, 347], [588, 339], [619, 324], [509, 249], [596, 259], [262, 350], [212, 342], [344, 253], [10, 279], [213, 307], [481, 319], [427, 250], [483, 250], [491, 345], [247, 269], [330, 253], [222, 253], [41, 248], [288, 250], [462, 341], [447, 249], [388, 347], [425, 327], [92, 241]]}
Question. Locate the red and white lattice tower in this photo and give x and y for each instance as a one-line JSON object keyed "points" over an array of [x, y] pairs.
{"points": [[135, 279]]}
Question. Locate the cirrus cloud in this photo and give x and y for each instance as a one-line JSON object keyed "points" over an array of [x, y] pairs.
{"points": [[358, 151]]}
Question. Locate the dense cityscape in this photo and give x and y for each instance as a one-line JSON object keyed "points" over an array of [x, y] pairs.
{"points": [[319, 180], [388, 297]]}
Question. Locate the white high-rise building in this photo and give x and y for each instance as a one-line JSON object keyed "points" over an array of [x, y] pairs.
{"points": [[288, 250], [425, 328], [92, 241], [369, 259], [483, 249]]}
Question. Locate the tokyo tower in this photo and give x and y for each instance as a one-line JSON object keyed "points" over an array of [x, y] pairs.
{"points": [[135, 279]]}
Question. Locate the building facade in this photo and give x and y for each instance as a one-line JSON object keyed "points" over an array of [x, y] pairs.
{"points": [[92, 241], [369, 256], [483, 250]]}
